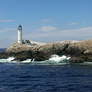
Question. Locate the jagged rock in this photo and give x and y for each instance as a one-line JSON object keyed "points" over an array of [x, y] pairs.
{"points": [[79, 51]]}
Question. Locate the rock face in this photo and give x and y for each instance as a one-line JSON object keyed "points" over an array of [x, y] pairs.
{"points": [[79, 51]]}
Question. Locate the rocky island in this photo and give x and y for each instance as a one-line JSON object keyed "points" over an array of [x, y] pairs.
{"points": [[79, 51]]}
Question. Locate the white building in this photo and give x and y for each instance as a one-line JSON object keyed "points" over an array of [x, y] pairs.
{"points": [[20, 34]]}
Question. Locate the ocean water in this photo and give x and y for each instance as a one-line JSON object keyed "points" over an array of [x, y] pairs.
{"points": [[45, 78], [57, 76]]}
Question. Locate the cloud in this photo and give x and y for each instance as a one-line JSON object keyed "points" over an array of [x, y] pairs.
{"points": [[67, 34], [48, 28], [46, 20], [6, 21], [74, 23], [7, 36], [3, 30]]}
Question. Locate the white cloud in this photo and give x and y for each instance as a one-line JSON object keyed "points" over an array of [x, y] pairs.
{"points": [[69, 34], [48, 28], [74, 23], [6, 21], [7, 36], [46, 20], [7, 29]]}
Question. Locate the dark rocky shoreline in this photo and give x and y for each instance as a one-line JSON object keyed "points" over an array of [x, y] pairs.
{"points": [[79, 51]]}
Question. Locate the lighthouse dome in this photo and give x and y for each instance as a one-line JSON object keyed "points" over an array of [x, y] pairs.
{"points": [[19, 27]]}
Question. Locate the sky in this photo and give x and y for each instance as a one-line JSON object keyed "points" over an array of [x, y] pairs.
{"points": [[45, 20]]}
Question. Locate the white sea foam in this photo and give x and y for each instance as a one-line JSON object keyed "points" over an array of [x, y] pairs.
{"points": [[58, 59], [10, 58], [55, 59], [27, 61]]}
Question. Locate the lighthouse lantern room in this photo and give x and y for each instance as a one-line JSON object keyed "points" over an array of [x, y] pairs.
{"points": [[20, 34]]}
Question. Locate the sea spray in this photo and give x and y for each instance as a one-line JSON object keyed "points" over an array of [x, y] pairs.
{"points": [[27, 61], [10, 58], [54, 59], [58, 59]]}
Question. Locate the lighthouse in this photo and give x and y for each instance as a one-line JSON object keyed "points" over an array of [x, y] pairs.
{"points": [[20, 34]]}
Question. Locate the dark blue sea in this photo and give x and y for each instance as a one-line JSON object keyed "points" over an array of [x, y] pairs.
{"points": [[26, 77]]}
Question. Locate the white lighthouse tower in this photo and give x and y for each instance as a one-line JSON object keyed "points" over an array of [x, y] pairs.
{"points": [[20, 34]]}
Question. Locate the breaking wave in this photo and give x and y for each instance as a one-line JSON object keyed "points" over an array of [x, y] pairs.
{"points": [[8, 60], [54, 59]]}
